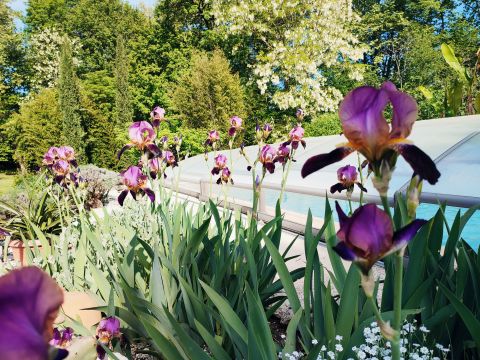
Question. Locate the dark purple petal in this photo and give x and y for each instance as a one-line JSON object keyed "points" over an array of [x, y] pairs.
{"points": [[232, 131], [295, 145], [215, 171], [405, 111], [150, 194], [61, 354], [29, 304], [344, 251], [342, 217], [420, 162], [134, 194], [270, 167], [123, 149], [361, 187], [318, 162], [122, 196], [402, 236], [154, 149], [219, 180], [337, 187]]}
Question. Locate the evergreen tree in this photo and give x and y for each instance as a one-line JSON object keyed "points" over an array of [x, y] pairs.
{"points": [[69, 100], [123, 106]]}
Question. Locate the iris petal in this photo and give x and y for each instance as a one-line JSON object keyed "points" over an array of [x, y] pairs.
{"points": [[29, 303], [318, 162], [150, 194], [122, 150], [402, 236], [337, 187], [344, 251], [405, 111], [420, 162], [361, 114], [122, 196]]}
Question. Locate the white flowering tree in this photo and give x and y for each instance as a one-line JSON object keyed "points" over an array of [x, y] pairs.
{"points": [[44, 56], [298, 42]]}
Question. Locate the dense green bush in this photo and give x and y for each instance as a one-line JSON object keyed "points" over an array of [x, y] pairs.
{"points": [[38, 125], [208, 94], [326, 124]]}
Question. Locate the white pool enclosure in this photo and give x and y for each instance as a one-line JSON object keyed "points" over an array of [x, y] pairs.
{"points": [[453, 143]]}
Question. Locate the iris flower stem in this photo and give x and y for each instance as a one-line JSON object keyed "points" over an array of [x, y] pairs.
{"points": [[361, 177], [397, 304], [284, 178], [377, 313], [386, 206]]}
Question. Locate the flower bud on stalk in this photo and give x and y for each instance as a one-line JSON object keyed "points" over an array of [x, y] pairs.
{"points": [[413, 195], [381, 180]]}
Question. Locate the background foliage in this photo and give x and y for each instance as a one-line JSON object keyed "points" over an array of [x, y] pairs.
{"points": [[206, 61]]}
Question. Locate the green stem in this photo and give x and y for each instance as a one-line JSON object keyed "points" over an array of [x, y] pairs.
{"points": [[360, 171], [284, 179], [350, 206], [386, 206], [377, 313], [397, 304]]}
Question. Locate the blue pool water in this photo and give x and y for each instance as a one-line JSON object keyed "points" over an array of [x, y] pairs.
{"points": [[302, 203]]}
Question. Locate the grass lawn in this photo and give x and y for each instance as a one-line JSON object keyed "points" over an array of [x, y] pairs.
{"points": [[6, 183]]}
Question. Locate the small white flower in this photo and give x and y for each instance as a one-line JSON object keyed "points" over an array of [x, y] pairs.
{"points": [[339, 347], [424, 329], [331, 355], [314, 342], [361, 355], [323, 348], [424, 350], [282, 336], [339, 338]]}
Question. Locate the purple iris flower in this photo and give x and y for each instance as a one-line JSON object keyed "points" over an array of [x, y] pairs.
{"points": [[347, 178], [225, 176], [4, 233], [157, 115], [267, 158], [169, 158], [142, 136], [367, 131], [235, 125], [135, 182], [62, 338], [283, 153], [107, 330], [220, 163], [296, 137], [29, 303], [154, 165], [367, 236], [50, 156], [213, 137], [300, 114]]}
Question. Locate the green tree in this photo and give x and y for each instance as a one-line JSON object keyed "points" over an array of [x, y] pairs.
{"points": [[37, 126], [69, 100], [208, 94], [123, 108]]}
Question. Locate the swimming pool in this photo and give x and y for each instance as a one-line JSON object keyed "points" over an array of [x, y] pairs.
{"points": [[302, 203]]}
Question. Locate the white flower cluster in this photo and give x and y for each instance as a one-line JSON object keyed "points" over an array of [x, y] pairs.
{"points": [[300, 40], [44, 56], [414, 346]]}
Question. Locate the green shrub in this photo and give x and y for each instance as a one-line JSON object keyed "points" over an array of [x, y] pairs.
{"points": [[208, 94], [39, 127], [326, 124]]}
